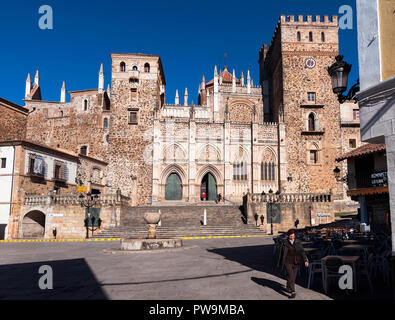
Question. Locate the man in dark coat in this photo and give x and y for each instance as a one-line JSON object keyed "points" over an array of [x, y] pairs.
{"points": [[290, 253]]}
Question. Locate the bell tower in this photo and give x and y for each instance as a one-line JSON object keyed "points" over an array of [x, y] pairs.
{"points": [[298, 93]]}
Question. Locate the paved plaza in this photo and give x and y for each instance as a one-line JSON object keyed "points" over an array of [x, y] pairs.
{"points": [[210, 269]]}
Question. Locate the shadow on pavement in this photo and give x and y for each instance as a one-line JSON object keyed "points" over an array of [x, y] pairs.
{"points": [[260, 258], [276, 286], [72, 279]]}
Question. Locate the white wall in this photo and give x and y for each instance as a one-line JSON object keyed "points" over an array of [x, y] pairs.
{"points": [[6, 183], [49, 165], [368, 49]]}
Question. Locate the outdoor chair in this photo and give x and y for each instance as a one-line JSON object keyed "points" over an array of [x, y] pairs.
{"points": [[315, 266], [330, 270]]}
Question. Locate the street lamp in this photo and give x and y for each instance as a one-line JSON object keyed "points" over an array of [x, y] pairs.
{"points": [[88, 202], [338, 177], [339, 72]]}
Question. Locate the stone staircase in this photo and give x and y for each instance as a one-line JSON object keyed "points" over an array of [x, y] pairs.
{"points": [[183, 221]]}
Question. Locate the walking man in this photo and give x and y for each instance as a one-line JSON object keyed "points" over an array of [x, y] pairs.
{"points": [[290, 253]]}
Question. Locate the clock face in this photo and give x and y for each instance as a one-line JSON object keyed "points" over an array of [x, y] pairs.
{"points": [[310, 63]]}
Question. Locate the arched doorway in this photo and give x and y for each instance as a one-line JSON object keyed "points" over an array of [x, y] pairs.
{"points": [[33, 225], [173, 187], [209, 187]]}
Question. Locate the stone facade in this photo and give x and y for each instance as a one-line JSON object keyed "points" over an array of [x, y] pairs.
{"points": [[240, 138], [13, 120]]}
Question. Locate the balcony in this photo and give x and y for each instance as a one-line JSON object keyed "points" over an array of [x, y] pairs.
{"points": [[368, 182]]}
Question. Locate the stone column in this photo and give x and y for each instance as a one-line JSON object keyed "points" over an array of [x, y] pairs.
{"points": [[156, 151], [193, 194], [228, 169]]}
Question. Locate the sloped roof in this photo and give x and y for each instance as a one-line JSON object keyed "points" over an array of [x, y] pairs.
{"points": [[226, 77], [363, 150]]}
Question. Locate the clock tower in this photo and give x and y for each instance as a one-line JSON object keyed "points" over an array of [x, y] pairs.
{"points": [[297, 92]]}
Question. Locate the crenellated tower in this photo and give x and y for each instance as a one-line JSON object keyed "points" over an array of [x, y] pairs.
{"points": [[297, 92]]}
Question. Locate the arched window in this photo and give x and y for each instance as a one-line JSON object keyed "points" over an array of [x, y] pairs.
{"points": [[134, 68], [146, 67], [105, 123], [123, 66], [311, 122], [85, 105], [310, 36], [268, 171], [240, 171], [298, 36], [108, 138], [322, 37]]}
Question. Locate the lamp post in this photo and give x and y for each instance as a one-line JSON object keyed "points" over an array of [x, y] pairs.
{"points": [[339, 72], [88, 202]]}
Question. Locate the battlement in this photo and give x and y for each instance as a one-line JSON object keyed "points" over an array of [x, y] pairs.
{"points": [[316, 20], [298, 21]]}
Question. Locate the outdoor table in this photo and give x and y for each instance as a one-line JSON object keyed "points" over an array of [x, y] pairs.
{"points": [[349, 260]]}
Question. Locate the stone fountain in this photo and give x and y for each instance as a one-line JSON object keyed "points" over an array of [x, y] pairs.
{"points": [[151, 242]]}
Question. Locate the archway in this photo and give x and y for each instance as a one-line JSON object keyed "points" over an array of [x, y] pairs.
{"points": [[33, 225], [173, 187], [209, 187]]}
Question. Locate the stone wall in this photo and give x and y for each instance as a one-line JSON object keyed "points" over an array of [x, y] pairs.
{"points": [[12, 121], [69, 126], [304, 207], [297, 80]]}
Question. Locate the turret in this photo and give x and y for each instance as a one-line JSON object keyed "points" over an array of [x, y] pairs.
{"points": [[203, 84], [28, 85], [108, 90], [248, 82], [177, 99], [37, 78], [215, 93], [63, 92], [186, 97], [242, 79], [233, 81], [101, 79], [220, 76]]}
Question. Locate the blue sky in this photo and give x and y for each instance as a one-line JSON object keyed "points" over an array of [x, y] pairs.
{"points": [[190, 36]]}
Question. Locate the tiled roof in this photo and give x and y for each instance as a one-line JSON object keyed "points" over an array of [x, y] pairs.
{"points": [[226, 77], [363, 150]]}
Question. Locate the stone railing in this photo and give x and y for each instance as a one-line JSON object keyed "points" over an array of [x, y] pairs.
{"points": [[180, 111], [71, 199], [290, 197]]}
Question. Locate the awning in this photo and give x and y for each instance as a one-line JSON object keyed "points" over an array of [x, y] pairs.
{"points": [[367, 191]]}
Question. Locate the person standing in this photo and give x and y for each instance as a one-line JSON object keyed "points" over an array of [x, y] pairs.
{"points": [[291, 252]]}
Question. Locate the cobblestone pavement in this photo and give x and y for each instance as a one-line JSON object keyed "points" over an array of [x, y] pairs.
{"points": [[216, 269]]}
